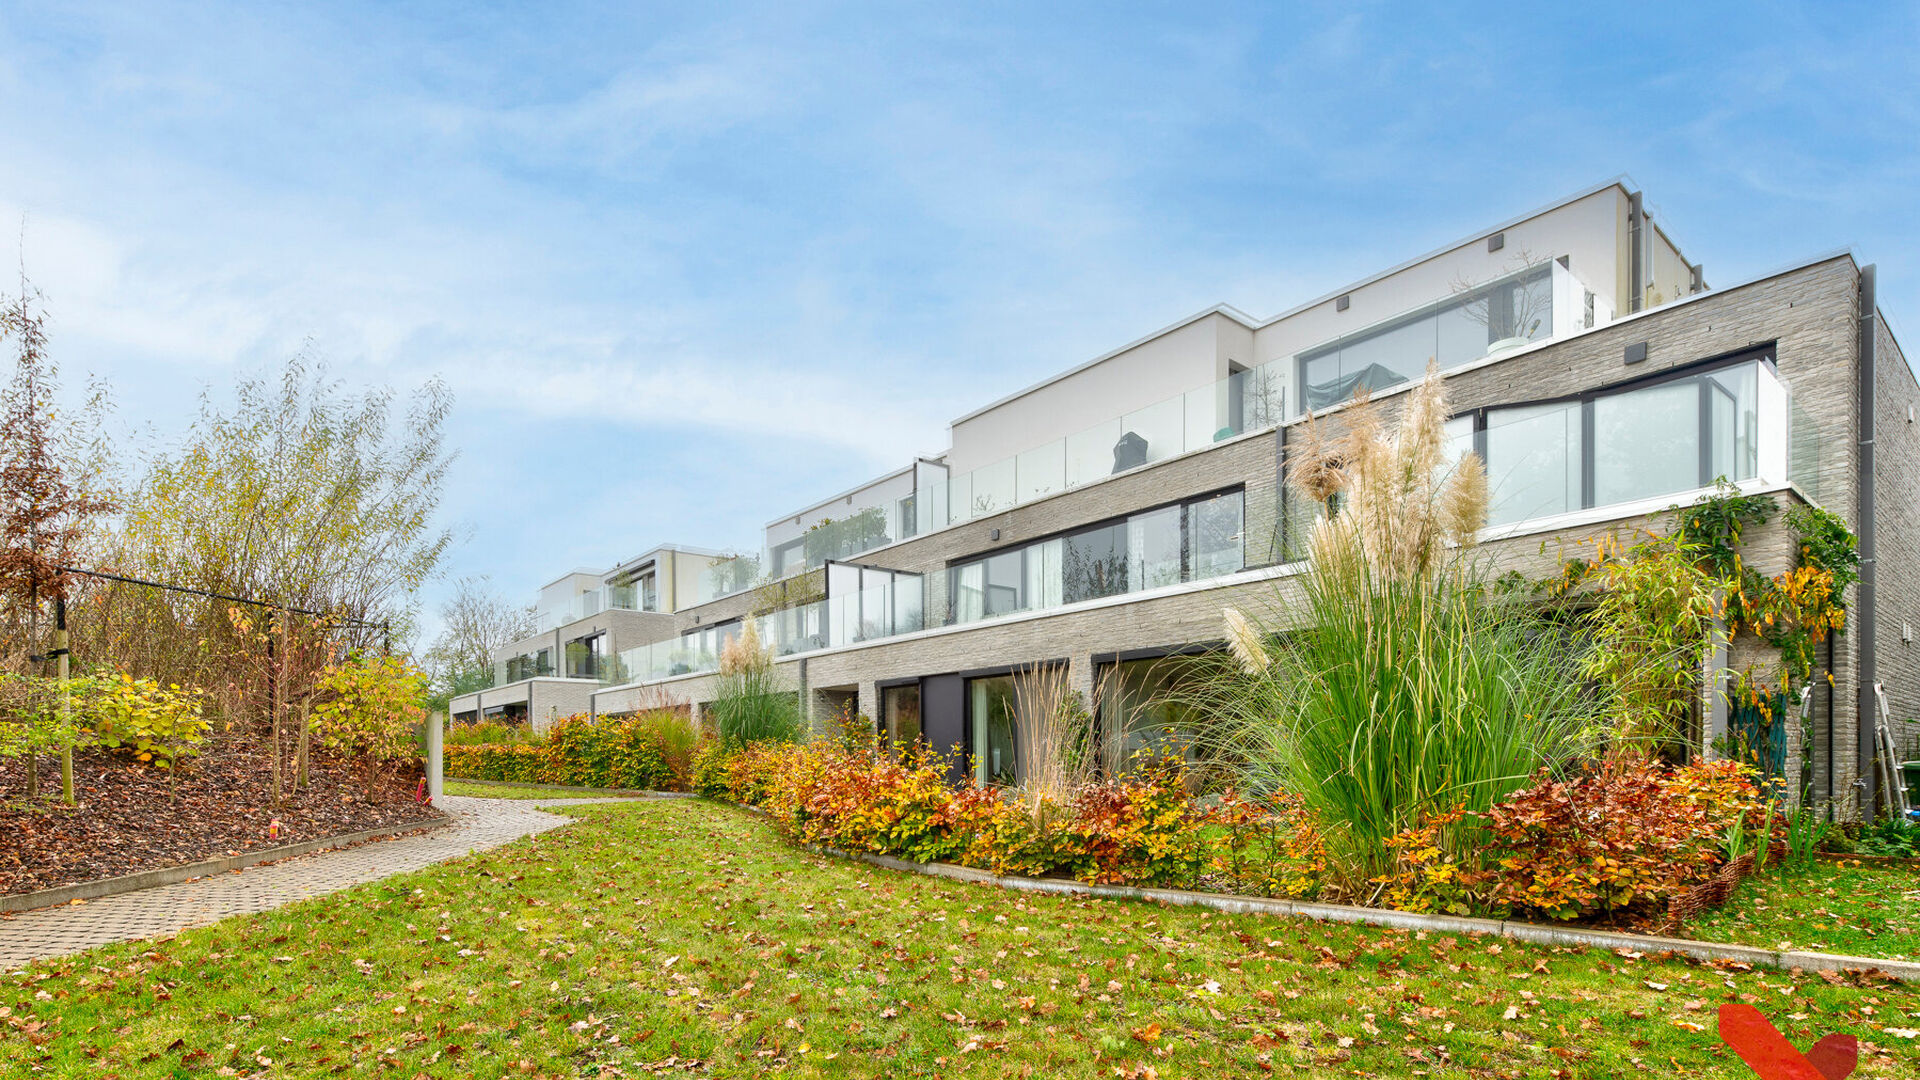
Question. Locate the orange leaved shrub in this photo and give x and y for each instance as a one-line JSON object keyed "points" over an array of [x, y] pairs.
{"points": [[1145, 828], [1628, 832]]}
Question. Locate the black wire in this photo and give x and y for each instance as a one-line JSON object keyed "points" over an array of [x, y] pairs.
{"points": [[218, 596]]}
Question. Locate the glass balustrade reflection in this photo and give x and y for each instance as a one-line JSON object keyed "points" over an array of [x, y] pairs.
{"points": [[1244, 401], [1808, 450]]}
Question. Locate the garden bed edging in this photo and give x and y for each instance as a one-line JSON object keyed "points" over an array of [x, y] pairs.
{"points": [[573, 790], [1532, 933], [172, 875]]}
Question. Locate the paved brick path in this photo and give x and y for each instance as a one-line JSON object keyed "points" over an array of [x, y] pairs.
{"points": [[479, 824]]}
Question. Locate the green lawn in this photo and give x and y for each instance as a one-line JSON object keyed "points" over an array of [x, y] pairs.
{"points": [[670, 935], [1836, 908], [492, 791]]}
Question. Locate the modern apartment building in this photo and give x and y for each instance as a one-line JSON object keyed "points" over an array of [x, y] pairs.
{"points": [[1104, 518], [585, 621]]}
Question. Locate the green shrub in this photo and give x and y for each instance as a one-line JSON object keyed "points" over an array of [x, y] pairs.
{"points": [[489, 732], [156, 724], [652, 751], [710, 770]]}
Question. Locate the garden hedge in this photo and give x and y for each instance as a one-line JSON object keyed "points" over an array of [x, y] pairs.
{"points": [[650, 752]]}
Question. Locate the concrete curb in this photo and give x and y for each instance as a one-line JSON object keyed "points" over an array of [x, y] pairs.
{"points": [[1884, 862], [1532, 933], [566, 791], [170, 875]]}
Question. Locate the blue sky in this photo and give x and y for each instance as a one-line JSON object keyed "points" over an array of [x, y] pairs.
{"points": [[687, 267]]}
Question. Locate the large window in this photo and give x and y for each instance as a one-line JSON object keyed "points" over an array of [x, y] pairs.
{"points": [[1216, 530], [1656, 439], [1455, 331], [1191, 541], [1142, 709], [585, 656], [900, 716], [1646, 442], [1154, 548], [990, 711], [529, 665], [1533, 461], [1093, 563], [995, 585]]}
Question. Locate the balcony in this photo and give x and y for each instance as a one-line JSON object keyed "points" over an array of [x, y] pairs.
{"points": [[1633, 449], [1244, 401], [583, 605], [1507, 314]]}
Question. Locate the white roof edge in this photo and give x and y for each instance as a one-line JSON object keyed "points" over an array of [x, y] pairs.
{"points": [[657, 549], [1621, 181], [817, 504]]}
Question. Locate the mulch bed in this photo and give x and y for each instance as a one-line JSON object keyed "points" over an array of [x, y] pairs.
{"points": [[133, 817]]}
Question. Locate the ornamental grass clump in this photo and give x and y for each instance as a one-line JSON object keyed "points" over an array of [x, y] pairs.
{"points": [[1055, 738], [1407, 690], [752, 704]]}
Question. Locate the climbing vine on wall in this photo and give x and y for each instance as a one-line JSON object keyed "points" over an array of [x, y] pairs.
{"points": [[1654, 605], [1791, 611]]}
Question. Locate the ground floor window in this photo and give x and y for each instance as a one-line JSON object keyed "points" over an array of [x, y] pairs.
{"points": [[990, 711], [1143, 708], [900, 716], [511, 713]]}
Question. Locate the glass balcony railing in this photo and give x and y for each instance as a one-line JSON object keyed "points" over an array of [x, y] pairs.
{"points": [[1529, 305], [784, 633], [1651, 442], [1244, 401], [1809, 452], [1505, 314], [592, 602], [727, 577], [857, 529]]}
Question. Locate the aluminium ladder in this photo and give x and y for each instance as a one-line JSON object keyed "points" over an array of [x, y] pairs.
{"points": [[1892, 778]]}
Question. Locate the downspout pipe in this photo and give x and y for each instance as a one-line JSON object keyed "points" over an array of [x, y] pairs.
{"points": [[1636, 252], [1866, 603]]}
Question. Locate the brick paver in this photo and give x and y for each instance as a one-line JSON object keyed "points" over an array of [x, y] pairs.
{"points": [[479, 824]]}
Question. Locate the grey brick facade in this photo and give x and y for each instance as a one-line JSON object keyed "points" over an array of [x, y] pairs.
{"points": [[1808, 314], [1897, 511]]}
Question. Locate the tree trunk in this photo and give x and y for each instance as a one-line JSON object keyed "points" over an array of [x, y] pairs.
{"points": [[300, 760], [33, 641], [66, 714], [371, 775], [276, 659]]}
